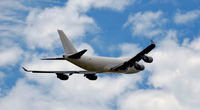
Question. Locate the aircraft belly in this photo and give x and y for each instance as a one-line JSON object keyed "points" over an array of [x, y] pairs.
{"points": [[96, 63], [101, 65]]}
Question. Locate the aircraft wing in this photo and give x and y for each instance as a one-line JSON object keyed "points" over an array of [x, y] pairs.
{"points": [[136, 58], [60, 72]]}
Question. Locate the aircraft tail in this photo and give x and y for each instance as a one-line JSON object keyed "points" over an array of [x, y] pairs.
{"points": [[67, 45]]}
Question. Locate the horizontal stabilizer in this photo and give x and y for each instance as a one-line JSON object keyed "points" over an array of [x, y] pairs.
{"points": [[53, 58], [77, 55]]}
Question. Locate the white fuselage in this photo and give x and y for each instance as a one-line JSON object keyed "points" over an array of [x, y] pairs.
{"points": [[101, 64]]}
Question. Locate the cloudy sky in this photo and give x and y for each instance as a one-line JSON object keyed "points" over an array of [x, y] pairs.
{"points": [[113, 28]]}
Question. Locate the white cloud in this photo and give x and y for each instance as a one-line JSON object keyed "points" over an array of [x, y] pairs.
{"points": [[129, 50], [48, 92], [72, 18], [10, 53], [90, 50], [174, 74], [176, 80], [195, 44], [12, 14], [146, 24], [110, 4], [41, 32], [149, 100], [119, 5], [183, 18], [43, 23], [42, 26], [77, 93], [176, 70]]}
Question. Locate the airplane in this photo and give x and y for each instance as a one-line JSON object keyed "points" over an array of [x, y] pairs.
{"points": [[94, 65]]}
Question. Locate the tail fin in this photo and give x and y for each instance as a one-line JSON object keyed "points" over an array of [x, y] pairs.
{"points": [[67, 45]]}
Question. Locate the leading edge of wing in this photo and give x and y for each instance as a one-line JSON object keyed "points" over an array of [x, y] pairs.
{"points": [[136, 58], [139, 56], [59, 72]]}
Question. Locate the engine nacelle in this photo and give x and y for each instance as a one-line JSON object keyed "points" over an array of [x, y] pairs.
{"points": [[147, 59], [91, 76], [138, 66], [62, 76]]}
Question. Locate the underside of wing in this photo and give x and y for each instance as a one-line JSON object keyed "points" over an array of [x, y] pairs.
{"points": [[64, 75], [140, 56], [60, 72]]}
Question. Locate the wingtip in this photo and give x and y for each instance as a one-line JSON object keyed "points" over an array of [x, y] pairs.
{"points": [[84, 50], [43, 58], [59, 30], [152, 42], [25, 69]]}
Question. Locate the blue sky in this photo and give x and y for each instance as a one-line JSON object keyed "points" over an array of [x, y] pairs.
{"points": [[113, 28]]}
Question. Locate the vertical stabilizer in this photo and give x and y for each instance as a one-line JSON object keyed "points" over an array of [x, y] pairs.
{"points": [[67, 45]]}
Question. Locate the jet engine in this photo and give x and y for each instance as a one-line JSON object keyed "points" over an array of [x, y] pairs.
{"points": [[91, 76], [138, 66], [147, 59], [62, 76]]}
